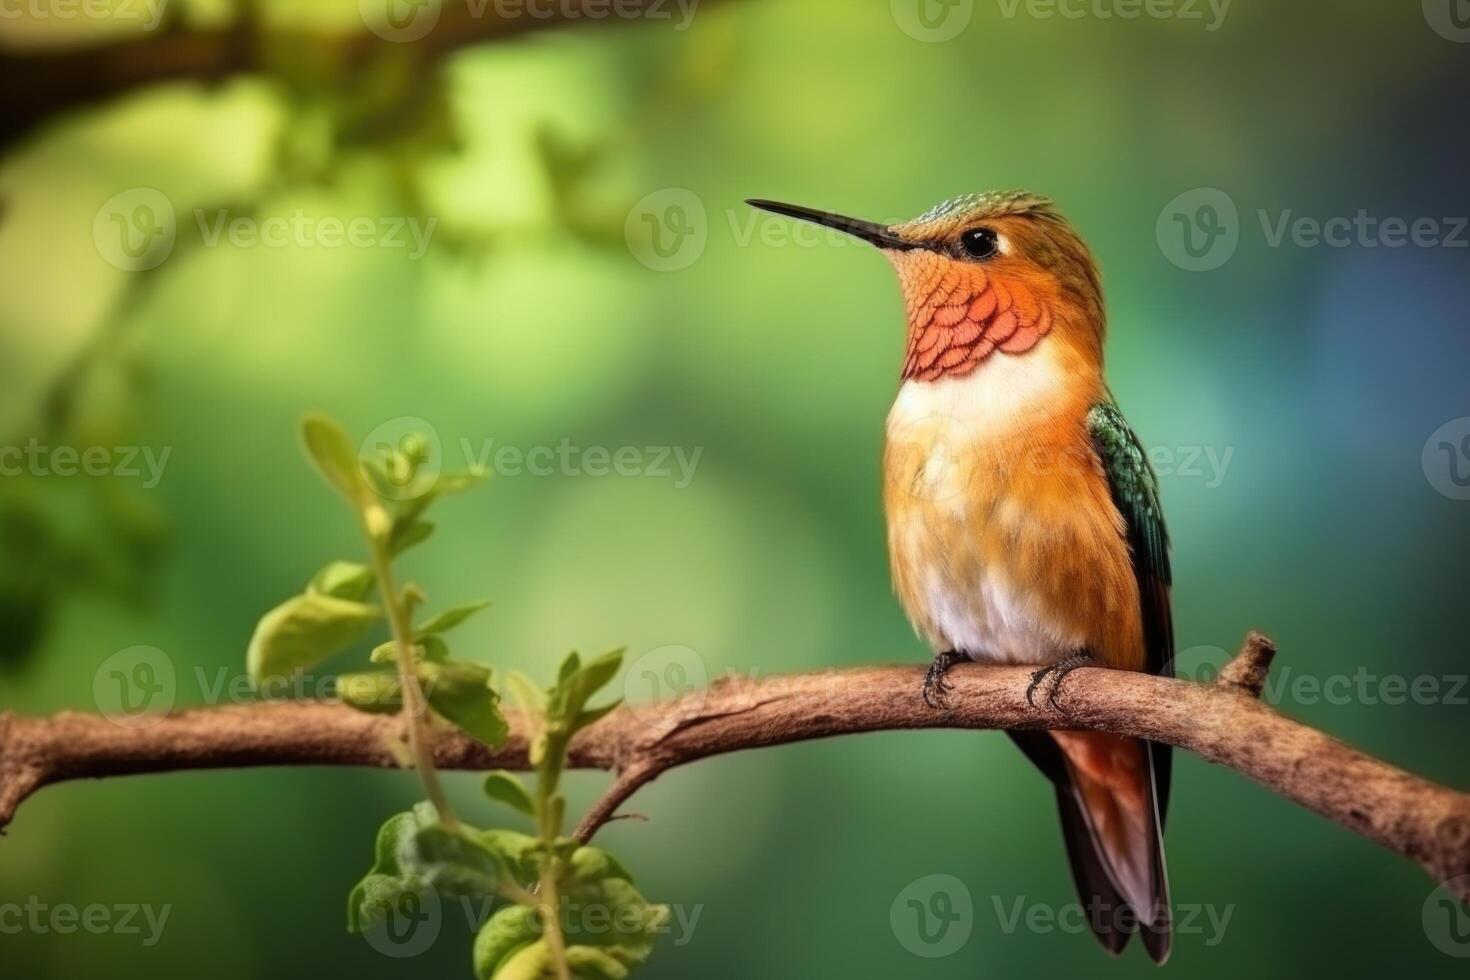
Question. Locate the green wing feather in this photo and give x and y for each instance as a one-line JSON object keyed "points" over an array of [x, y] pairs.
{"points": [[1135, 491]]}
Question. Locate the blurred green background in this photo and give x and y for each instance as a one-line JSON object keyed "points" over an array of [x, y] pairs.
{"points": [[590, 276]]}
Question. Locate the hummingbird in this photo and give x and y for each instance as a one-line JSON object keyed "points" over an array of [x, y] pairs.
{"points": [[1023, 517]]}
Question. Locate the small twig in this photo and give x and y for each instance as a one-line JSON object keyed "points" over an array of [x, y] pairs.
{"points": [[628, 782], [1248, 669], [1223, 722]]}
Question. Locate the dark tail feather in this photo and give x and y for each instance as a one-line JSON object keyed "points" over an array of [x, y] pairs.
{"points": [[1112, 916], [1100, 899], [1159, 939]]}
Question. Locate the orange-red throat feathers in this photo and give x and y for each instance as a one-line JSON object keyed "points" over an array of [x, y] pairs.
{"points": [[1041, 280]]}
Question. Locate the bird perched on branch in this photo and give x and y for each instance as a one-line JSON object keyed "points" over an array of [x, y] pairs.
{"points": [[1023, 519]]}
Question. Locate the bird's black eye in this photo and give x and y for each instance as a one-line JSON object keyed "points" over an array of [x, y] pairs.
{"points": [[980, 243]]}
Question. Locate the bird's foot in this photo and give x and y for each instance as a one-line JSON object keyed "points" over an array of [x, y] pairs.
{"points": [[1060, 669], [936, 688]]}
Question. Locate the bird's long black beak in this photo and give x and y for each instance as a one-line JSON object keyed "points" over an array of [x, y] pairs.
{"points": [[869, 231]]}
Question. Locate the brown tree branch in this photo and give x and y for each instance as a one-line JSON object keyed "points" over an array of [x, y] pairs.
{"points": [[46, 82], [1223, 722]]}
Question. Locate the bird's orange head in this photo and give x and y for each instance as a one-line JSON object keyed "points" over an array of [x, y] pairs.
{"points": [[983, 275]]}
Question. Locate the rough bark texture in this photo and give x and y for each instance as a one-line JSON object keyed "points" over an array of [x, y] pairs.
{"points": [[1223, 722]]}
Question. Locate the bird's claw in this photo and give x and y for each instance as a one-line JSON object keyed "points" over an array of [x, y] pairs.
{"points": [[1036, 678], [936, 689], [936, 686], [1061, 669]]}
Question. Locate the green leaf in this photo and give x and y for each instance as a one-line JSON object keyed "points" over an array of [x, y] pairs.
{"points": [[412, 451], [593, 964], [569, 667], [530, 962], [589, 865], [594, 714], [433, 649], [303, 631], [377, 692], [406, 534], [529, 697], [508, 932], [454, 862], [383, 880], [392, 469], [331, 450], [342, 580], [597, 673], [577, 683], [461, 693], [413, 596], [375, 896], [450, 618], [441, 487], [505, 787], [626, 925], [516, 852], [613, 930], [376, 476], [430, 648], [391, 836]]}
